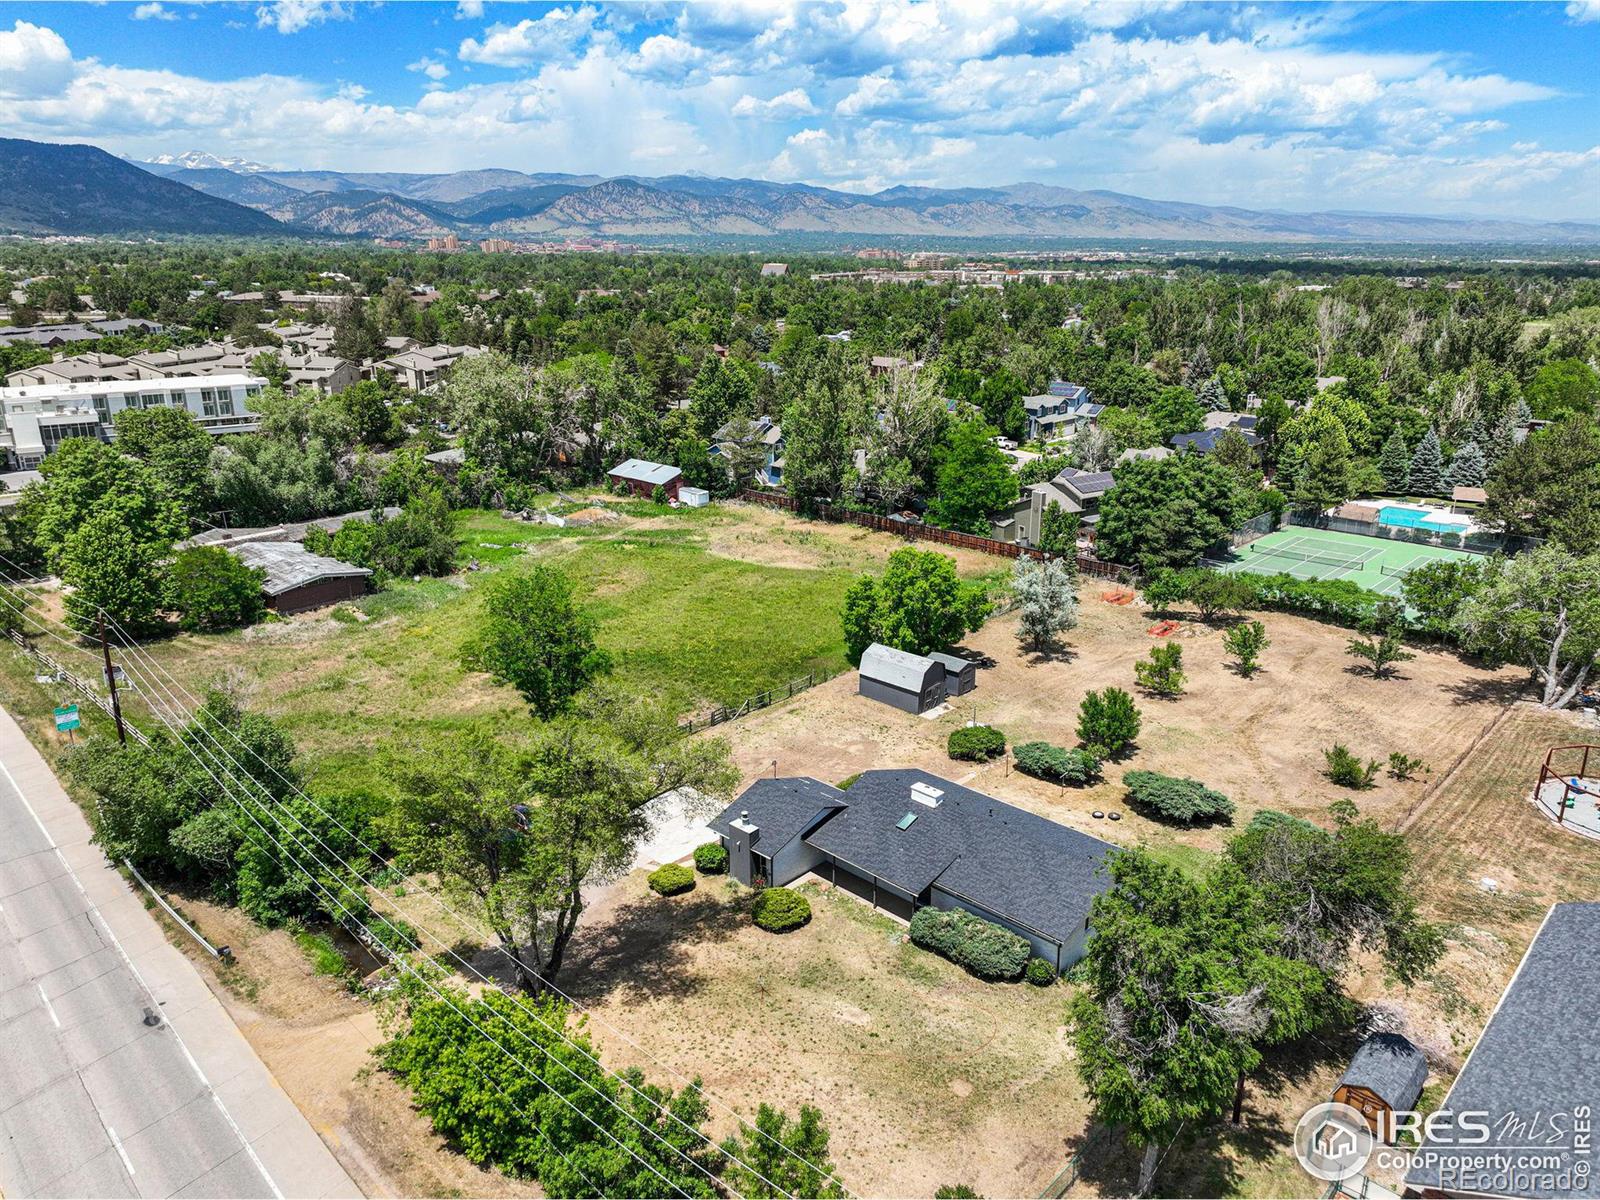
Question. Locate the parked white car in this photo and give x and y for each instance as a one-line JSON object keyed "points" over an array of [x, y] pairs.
{"points": [[1005, 443]]}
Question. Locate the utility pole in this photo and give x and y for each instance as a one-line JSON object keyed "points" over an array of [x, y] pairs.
{"points": [[111, 680]]}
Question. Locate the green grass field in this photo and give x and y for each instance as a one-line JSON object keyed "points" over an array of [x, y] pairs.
{"points": [[699, 607], [1374, 563]]}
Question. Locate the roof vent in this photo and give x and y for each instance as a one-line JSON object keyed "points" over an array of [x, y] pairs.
{"points": [[927, 794]]}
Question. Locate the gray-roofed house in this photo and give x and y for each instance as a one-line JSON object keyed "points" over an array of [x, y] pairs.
{"points": [[907, 681], [1533, 1076], [1204, 441], [908, 839], [1385, 1076], [1077, 492], [298, 580], [643, 478]]}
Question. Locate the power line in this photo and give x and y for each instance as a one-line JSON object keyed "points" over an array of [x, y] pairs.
{"points": [[165, 717], [400, 961], [199, 716], [272, 812], [154, 668]]}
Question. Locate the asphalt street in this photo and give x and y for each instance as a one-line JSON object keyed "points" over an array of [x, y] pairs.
{"points": [[98, 1094]]}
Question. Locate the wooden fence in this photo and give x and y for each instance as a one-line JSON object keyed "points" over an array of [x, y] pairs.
{"points": [[762, 700], [932, 533]]}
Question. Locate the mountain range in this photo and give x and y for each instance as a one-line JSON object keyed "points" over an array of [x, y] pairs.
{"points": [[79, 189]]}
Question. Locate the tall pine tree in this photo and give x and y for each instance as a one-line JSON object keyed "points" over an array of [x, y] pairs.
{"points": [[1427, 466], [1394, 463], [1212, 396], [1468, 467]]}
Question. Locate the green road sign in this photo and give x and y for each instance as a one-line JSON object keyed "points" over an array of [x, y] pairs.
{"points": [[67, 718]]}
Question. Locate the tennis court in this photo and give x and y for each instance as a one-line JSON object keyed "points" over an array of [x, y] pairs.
{"points": [[1374, 563]]}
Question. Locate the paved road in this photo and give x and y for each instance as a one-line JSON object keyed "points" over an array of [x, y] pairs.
{"points": [[99, 1096]]}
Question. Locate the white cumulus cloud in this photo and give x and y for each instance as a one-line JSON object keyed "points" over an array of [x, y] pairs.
{"points": [[553, 37], [34, 61], [154, 11], [431, 67], [793, 103], [291, 16]]}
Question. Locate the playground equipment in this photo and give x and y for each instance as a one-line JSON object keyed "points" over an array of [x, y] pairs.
{"points": [[1567, 792]]}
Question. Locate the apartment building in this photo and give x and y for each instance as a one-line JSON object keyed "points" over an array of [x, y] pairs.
{"points": [[323, 372], [36, 418], [422, 367]]}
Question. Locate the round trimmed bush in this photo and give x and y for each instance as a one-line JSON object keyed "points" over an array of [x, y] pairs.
{"points": [[671, 880], [1039, 973], [778, 910], [976, 743], [711, 859]]}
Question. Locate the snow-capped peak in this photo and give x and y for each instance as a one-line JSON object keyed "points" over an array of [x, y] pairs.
{"points": [[196, 160]]}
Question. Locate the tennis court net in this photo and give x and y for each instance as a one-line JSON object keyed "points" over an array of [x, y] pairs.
{"points": [[1327, 560], [1399, 572]]}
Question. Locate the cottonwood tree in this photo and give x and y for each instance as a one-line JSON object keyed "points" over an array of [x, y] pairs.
{"points": [[919, 604], [537, 638], [910, 423], [1541, 610], [821, 428], [1184, 984], [521, 832], [1047, 601], [975, 479]]}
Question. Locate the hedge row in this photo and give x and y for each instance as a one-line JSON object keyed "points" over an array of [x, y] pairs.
{"points": [[985, 949], [1183, 800], [1044, 761]]}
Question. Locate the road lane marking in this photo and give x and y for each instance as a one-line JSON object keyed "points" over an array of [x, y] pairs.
{"points": [[48, 1007], [194, 1065], [117, 1142]]}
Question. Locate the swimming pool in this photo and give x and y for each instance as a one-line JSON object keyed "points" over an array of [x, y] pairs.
{"points": [[1421, 518]]}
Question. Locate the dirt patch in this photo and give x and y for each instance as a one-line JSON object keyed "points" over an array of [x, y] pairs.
{"points": [[926, 1075], [1260, 741], [776, 538]]}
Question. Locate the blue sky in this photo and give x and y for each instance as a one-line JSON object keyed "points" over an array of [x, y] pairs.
{"points": [[1441, 107]]}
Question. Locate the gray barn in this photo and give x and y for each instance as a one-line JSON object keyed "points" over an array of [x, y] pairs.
{"points": [[960, 674], [908, 681]]}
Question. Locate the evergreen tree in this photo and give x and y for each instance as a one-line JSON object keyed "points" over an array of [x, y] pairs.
{"points": [[1325, 481], [1291, 459], [1501, 438], [1212, 396], [1468, 467], [1427, 466], [1058, 530], [1394, 463]]}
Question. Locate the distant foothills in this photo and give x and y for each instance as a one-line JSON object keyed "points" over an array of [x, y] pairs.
{"points": [[77, 189]]}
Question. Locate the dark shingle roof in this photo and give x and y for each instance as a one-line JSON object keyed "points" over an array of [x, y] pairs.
{"points": [[1536, 1062], [1017, 865], [780, 808], [1389, 1067]]}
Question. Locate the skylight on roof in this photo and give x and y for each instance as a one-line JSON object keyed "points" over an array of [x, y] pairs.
{"points": [[906, 821]]}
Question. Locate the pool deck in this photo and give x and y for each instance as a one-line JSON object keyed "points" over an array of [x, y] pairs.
{"points": [[1582, 817]]}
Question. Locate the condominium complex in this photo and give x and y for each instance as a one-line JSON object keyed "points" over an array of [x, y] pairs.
{"points": [[36, 418]]}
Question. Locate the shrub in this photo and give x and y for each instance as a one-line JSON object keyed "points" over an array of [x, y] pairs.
{"points": [[1044, 761], [1216, 592], [1040, 973], [1163, 673], [212, 590], [711, 859], [1182, 800], [956, 1191], [976, 743], [671, 880], [1166, 587], [1346, 769], [1403, 766], [1108, 722], [980, 947], [658, 494], [1244, 644], [778, 910]]}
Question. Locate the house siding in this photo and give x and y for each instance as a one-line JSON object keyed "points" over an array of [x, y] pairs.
{"points": [[794, 860], [319, 594]]}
